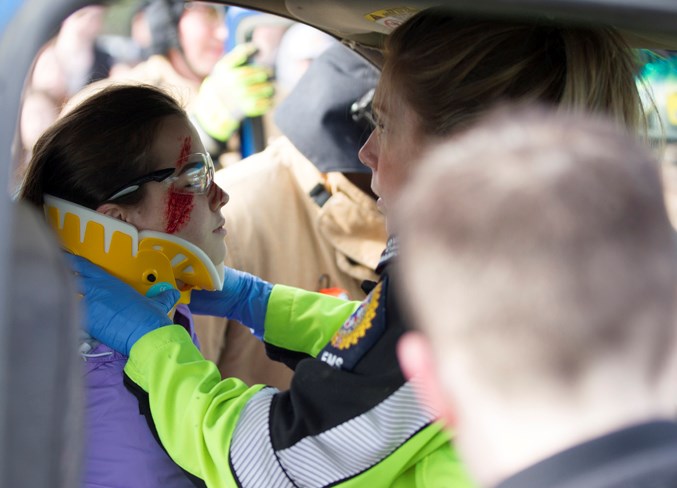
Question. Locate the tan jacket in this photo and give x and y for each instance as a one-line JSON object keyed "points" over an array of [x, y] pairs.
{"points": [[158, 71], [155, 71], [278, 232]]}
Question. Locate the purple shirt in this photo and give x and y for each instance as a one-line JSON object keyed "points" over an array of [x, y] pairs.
{"points": [[120, 450]]}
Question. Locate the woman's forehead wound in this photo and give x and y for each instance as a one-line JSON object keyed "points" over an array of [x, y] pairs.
{"points": [[184, 152], [179, 206]]}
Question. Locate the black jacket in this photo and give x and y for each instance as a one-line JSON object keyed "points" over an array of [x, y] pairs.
{"points": [[641, 456]]}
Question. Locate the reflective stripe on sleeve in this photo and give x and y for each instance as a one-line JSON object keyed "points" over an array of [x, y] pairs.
{"points": [[337, 454], [251, 452], [358, 444]]}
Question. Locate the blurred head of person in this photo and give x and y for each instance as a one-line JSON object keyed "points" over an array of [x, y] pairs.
{"points": [[192, 35], [538, 262]]}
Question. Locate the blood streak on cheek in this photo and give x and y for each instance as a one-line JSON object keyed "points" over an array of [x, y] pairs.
{"points": [[178, 210], [179, 205]]}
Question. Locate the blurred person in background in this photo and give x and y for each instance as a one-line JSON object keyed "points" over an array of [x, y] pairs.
{"points": [[305, 198], [267, 32], [299, 47], [188, 60], [131, 41], [71, 60], [38, 111]]}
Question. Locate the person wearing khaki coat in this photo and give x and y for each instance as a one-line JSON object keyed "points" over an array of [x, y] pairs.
{"points": [[301, 212]]}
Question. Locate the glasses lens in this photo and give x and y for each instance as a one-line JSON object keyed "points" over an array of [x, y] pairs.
{"points": [[196, 175]]}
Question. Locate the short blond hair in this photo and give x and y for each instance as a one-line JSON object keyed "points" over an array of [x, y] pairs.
{"points": [[450, 69], [537, 244]]}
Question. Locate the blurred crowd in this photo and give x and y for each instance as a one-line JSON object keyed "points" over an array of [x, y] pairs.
{"points": [[187, 49]]}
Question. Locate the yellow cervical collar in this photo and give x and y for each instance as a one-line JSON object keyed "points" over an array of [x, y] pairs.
{"points": [[143, 259]]}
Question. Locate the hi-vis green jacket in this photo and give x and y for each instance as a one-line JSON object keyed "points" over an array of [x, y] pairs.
{"points": [[349, 418]]}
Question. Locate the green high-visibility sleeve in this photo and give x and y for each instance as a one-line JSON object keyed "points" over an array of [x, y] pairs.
{"points": [[194, 410], [427, 460], [304, 321]]}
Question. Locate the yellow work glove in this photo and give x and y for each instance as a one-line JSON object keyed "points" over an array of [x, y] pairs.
{"points": [[232, 91]]}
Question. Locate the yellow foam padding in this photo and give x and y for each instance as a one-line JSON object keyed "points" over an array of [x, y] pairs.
{"points": [[140, 259]]}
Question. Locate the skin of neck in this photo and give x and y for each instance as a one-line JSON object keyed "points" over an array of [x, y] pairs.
{"points": [[518, 429], [181, 66]]}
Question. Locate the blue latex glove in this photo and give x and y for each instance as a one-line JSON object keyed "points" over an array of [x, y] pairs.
{"points": [[114, 312], [244, 297]]}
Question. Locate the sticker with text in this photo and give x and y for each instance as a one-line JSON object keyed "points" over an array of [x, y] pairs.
{"points": [[391, 17]]}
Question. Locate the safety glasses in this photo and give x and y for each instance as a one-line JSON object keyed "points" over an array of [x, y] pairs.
{"points": [[362, 108], [194, 176]]}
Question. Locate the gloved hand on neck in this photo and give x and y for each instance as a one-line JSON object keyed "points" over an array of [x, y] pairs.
{"points": [[244, 297], [113, 312]]}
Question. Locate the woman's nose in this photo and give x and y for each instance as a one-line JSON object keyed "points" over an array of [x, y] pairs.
{"points": [[367, 153], [218, 198]]}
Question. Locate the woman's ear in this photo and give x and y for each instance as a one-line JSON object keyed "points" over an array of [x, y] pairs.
{"points": [[418, 364], [113, 210]]}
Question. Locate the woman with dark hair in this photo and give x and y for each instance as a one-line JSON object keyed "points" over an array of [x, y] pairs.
{"points": [[129, 160], [350, 418]]}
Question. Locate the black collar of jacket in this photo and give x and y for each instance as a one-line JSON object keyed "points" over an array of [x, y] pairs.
{"points": [[388, 254], [638, 456]]}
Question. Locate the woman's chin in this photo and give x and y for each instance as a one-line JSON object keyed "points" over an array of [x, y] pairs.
{"points": [[218, 258]]}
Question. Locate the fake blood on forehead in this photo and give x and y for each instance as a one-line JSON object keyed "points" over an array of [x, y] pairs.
{"points": [[179, 205], [185, 151]]}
